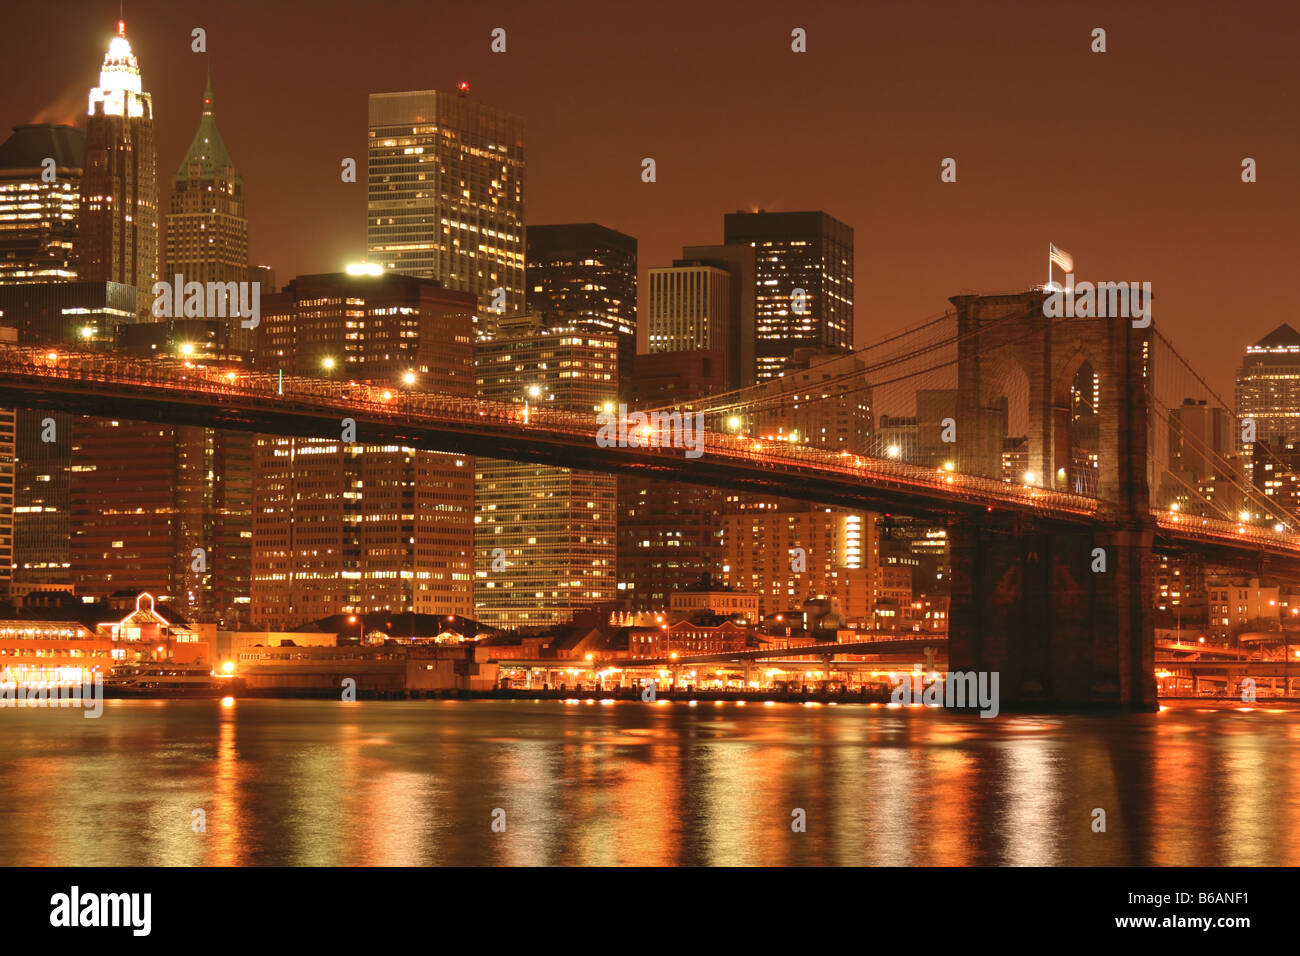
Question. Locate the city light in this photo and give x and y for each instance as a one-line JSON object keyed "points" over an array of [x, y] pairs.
{"points": [[257, 494]]}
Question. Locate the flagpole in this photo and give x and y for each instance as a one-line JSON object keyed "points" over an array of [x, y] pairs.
{"points": [[1049, 267]]}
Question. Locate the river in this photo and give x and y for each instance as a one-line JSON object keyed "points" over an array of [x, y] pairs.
{"points": [[422, 783]]}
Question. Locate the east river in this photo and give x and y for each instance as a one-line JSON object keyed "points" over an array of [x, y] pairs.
{"points": [[629, 783]]}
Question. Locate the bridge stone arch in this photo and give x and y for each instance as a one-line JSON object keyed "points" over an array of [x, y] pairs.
{"points": [[1029, 599], [996, 329]]}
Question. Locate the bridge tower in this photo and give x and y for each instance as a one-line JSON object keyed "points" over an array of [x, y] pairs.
{"points": [[1061, 611]]}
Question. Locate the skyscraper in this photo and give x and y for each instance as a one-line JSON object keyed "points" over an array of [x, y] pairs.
{"points": [[689, 308], [738, 260], [583, 270], [38, 218], [446, 195], [343, 526], [584, 275], [8, 435], [669, 533], [1268, 388], [803, 283], [544, 536], [118, 227], [207, 230]]}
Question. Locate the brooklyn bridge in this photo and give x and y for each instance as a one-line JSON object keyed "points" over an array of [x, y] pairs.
{"points": [[1052, 568]]}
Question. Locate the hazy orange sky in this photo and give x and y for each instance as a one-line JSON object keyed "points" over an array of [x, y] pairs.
{"points": [[1130, 160]]}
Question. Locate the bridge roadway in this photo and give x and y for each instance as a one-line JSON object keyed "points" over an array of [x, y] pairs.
{"points": [[195, 393]]}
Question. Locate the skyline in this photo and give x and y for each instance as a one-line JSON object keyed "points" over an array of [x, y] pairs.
{"points": [[640, 435], [915, 246]]}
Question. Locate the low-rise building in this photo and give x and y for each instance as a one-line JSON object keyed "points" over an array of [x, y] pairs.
{"points": [[722, 601]]}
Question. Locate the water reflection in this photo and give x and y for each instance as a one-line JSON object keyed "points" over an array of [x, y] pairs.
{"points": [[322, 783]]}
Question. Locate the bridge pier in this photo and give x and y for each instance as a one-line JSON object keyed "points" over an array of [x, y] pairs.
{"points": [[1027, 604]]}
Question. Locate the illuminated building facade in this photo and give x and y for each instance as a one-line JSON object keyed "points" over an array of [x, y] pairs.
{"points": [[684, 638], [1203, 476], [1275, 470], [669, 533], [583, 275], [919, 545], [42, 501], [788, 556], [38, 219], [63, 652], [712, 600], [372, 328], [89, 314], [158, 508], [1180, 595], [1268, 389], [184, 531], [1237, 604], [353, 527], [689, 308], [117, 238], [738, 262], [207, 229], [793, 251], [821, 400], [446, 195], [8, 455], [545, 537]]}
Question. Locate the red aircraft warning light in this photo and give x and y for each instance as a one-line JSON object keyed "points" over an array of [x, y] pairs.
{"points": [[462, 88]]}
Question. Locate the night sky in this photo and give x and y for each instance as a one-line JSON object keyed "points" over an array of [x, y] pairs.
{"points": [[1130, 160]]}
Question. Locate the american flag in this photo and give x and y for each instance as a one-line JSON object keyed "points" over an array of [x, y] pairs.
{"points": [[1059, 258]]}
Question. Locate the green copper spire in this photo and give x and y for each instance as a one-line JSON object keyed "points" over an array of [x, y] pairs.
{"points": [[207, 148]]}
